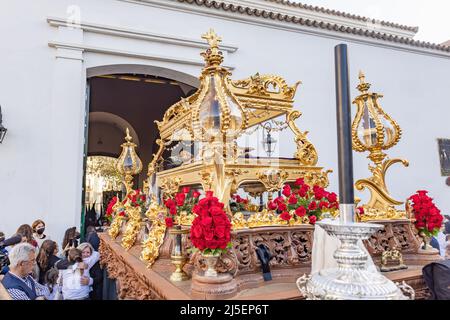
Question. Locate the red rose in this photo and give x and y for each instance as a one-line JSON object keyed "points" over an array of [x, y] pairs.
{"points": [[173, 210], [186, 189], [209, 194], [216, 211], [300, 211], [312, 206], [206, 221], [170, 203], [220, 231], [422, 193], [319, 192], [360, 210], [122, 214], [278, 200], [323, 205], [312, 219], [169, 222], [420, 224], [282, 206], [220, 220], [292, 199], [285, 216], [209, 234], [271, 205], [332, 197], [196, 194], [299, 182], [286, 190], [179, 198], [143, 198]]}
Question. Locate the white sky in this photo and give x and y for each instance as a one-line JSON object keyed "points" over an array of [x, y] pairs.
{"points": [[431, 16]]}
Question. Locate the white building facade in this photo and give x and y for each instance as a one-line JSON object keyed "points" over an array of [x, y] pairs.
{"points": [[51, 47]]}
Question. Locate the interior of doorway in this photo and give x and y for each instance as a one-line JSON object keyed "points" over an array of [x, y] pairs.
{"points": [[117, 102]]}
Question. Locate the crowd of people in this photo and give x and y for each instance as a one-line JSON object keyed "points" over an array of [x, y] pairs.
{"points": [[34, 268]]}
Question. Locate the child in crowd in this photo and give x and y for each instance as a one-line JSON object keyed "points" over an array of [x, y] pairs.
{"points": [[53, 283]]}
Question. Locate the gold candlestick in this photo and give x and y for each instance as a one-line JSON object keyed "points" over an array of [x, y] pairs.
{"points": [[374, 130]]}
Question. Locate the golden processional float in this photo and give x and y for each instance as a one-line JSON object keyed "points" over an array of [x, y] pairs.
{"points": [[210, 122]]}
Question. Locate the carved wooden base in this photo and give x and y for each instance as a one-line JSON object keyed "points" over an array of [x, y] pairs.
{"points": [[240, 269], [213, 288]]}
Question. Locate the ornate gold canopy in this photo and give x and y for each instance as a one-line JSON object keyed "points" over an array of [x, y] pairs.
{"points": [[259, 98]]}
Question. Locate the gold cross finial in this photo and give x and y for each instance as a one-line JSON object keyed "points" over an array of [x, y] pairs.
{"points": [[212, 38]]}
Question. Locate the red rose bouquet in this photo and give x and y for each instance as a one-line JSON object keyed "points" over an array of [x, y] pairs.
{"points": [[183, 201], [113, 208], [211, 229], [238, 204], [303, 202], [428, 217], [137, 199]]}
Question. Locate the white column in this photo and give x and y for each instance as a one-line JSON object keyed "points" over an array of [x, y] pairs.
{"points": [[67, 133]]}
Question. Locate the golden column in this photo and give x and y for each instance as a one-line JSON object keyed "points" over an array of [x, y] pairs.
{"points": [[374, 130], [128, 163]]}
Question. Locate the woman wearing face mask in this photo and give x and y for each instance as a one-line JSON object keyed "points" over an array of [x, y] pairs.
{"points": [[38, 232], [91, 259]]}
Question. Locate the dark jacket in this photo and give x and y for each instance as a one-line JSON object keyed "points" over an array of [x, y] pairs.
{"points": [[93, 239], [51, 263], [96, 274]]}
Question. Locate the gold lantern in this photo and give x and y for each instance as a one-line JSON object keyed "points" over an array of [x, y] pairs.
{"points": [[374, 130], [128, 163], [218, 117]]}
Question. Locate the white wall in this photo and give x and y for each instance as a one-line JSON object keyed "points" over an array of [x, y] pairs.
{"points": [[42, 95]]}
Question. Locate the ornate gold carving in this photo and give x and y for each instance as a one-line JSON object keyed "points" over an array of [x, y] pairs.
{"points": [[152, 164], [185, 218], [170, 186], [370, 132], [396, 257], [263, 219], [116, 224], [273, 179], [207, 179], [133, 226], [314, 178], [151, 245], [238, 221], [154, 209], [306, 152], [231, 176], [266, 86]]}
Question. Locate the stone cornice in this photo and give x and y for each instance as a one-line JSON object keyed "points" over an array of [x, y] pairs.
{"points": [[245, 14]]}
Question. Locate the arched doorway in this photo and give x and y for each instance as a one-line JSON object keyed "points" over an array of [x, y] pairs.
{"points": [[120, 97]]}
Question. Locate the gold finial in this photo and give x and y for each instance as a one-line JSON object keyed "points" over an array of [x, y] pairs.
{"points": [[363, 86], [213, 57], [128, 137], [212, 38]]}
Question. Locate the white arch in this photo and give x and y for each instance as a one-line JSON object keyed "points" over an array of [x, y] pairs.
{"points": [[115, 120], [143, 69]]}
